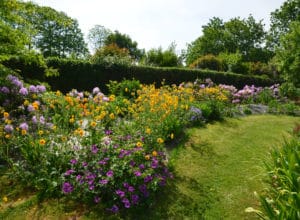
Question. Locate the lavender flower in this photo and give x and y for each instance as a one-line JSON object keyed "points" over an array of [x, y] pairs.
{"points": [[30, 108], [41, 88], [8, 128], [23, 91], [42, 120], [32, 89], [24, 126], [73, 161], [34, 119], [96, 90], [5, 90], [103, 182]]}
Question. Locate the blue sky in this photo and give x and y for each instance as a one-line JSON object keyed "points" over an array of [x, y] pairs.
{"points": [[154, 23]]}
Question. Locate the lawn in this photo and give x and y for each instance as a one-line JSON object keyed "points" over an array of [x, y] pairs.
{"points": [[217, 169]]}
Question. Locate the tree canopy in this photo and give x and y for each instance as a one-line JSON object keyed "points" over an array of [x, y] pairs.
{"points": [[244, 35]]}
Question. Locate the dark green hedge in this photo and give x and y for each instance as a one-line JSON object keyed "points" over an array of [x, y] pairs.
{"points": [[83, 75]]}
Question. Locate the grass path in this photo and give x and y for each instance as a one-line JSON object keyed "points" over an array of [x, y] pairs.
{"points": [[217, 169], [224, 161]]}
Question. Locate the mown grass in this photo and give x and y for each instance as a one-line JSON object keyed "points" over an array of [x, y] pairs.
{"points": [[217, 169]]}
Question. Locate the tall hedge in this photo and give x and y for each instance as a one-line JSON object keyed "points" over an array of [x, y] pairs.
{"points": [[83, 75]]}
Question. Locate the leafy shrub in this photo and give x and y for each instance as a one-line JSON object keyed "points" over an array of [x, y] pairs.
{"points": [[125, 88], [282, 199], [209, 61]]}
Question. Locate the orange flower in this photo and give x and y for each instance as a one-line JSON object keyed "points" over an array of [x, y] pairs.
{"points": [[5, 114], [42, 142]]}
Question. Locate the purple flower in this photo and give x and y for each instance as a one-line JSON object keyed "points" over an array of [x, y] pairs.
{"points": [[91, 187], [131, 189], [154, 164], [24, 126], [126, 203], [69, 172], [103, 182], [42, 120], [132, 163], [32, 89], [94, 149], [134, 199], [84, 164], [105, 99], [8, 128], [23, 91], [67, 187], [137, 173], [34, 119], [148, 179], [142, 166], [110, 173], [108, 132], [143, 189], [41, 88], [30, 108], [114, 209], [5, 90], [73, 161], [120, 193], [78, 177], [126, 185], [96, 199]]}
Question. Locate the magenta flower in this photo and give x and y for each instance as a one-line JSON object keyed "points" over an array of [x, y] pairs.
{"points": [[110, 173], [94, 149], [67, 187], [134, 199], [120, 193], [114, 209], [73, 161], [96, 199], [69, 172], [137, 173], [103, 182]]}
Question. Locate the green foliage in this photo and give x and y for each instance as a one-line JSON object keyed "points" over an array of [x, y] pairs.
{"points": [[110, 55], [85, 76], [124, 41], [210, 62], [125, 88], [245, 36], [160, 58], [282, 201], [289, 90], [280, 20], [288, 55]]}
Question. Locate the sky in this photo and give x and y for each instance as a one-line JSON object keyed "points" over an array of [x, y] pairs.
{"points": [[155, 23]]}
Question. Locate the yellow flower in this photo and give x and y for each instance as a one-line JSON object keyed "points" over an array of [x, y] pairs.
{"points": [[5, 199], [71, 120], [93, 124], [23, 132], [112, 98], [41, 132], [154, 153], [172, 136], [147, 157], [139, 144], [148, 131], [160, 140], [42, 142], [26, 103], [112, 116], [7, 136], [5, 114], [126, 89]]}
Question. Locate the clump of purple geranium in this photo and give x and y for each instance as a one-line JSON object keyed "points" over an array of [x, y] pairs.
{"points": [[118, 173]]}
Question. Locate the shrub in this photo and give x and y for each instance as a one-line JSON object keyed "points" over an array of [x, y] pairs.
{"points": [[209, 61]]}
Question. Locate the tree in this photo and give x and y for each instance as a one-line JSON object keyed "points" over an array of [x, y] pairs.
{"points": [[124, 41], [158, 57], [97, 36], [246, 36], [280, 20], [13, 37], [57, 34], [288, 55]]}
